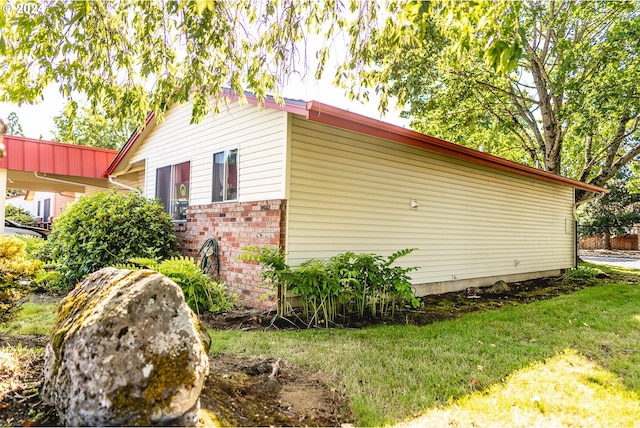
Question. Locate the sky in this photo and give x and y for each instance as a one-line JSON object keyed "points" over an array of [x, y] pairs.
{"points": [[37, 119]]}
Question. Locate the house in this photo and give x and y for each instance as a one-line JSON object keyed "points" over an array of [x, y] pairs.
{"points": [[47, 166], [44, 206], [317, 180]]}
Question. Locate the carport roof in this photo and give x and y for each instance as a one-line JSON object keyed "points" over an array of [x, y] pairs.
{"points": [[48, 157]]}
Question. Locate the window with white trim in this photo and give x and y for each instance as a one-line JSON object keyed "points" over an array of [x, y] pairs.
{"points": [[172, 189], [225, 176]]}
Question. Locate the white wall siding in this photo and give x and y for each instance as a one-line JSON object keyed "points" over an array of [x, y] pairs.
{"points": [[350, 192], [259, 134]]}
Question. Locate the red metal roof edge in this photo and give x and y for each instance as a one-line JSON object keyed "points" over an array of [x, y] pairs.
{"points": [[330, 115], [127, 146], [57, 144]]}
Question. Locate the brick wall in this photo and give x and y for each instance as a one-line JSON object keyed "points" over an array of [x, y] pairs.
{"points": [[624, 243], [234, 226]]}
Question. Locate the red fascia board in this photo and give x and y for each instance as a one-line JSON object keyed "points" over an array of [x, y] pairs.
{"points": [[128, 145], [329, 115]]}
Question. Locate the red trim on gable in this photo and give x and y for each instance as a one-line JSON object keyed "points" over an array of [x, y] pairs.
{"points": [[334, 116], [127, 146]]}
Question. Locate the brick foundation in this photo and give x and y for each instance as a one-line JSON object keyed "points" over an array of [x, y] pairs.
{"points": [[236, 225]]}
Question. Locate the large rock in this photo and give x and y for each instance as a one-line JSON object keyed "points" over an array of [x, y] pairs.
{"points": [[126, 350]]}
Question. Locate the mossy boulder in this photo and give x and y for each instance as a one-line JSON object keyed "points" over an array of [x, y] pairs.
{"points": [[126, 350]]}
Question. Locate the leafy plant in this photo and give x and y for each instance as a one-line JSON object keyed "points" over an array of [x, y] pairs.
{"points": [[36, 248], [19, 215], [585, 274], [15, 268], [276, 272], [347, 283], [108, 228], [200, 292]]}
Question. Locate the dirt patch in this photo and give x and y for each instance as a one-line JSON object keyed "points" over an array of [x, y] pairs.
{"points": [[268, 392], [239, 391]]}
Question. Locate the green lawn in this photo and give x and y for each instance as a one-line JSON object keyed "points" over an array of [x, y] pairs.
{"points": [[561, 360]]}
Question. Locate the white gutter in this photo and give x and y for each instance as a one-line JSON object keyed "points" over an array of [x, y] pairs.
{"points": [[124, 186], [75, 183]]}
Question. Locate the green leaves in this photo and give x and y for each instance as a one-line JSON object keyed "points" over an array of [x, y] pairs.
{"points": [[353, 284], [106, 228], [200, 292]]}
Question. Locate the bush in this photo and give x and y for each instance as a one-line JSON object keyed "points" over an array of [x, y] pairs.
{"points": [[36, 248], [19, 215], [349, 283], [200, 292], [14, 267], [106, 229]]}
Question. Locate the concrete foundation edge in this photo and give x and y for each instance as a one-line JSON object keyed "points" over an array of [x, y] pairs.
{"points": [[461, 284]]}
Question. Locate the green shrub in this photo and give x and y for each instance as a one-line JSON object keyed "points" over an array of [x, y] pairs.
{"points": [[14, 267], [200, 292], [36, 248], [107, 228], [349, 283], [19, 215]]}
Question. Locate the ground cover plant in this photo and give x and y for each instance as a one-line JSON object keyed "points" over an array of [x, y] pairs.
{"points": [[567, 360]]}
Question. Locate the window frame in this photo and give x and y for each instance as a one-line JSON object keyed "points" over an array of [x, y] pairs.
{"points": [[222, 187], [168, 188]]}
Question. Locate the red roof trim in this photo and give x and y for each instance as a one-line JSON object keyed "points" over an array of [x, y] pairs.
{"points": [[329, 115]]}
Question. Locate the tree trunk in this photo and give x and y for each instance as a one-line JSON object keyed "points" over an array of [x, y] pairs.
{"points": [[607, 240]]}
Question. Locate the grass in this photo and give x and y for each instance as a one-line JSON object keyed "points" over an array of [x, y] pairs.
{"points": [[399, 373], [570, 360], [33, 319]]}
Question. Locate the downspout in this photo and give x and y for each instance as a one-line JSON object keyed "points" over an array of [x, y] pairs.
{"points": [[124, 186], [74, 183]]}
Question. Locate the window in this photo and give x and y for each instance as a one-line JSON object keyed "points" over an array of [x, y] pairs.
{"points": [[46, 210], [225, 176], [172, 189]]}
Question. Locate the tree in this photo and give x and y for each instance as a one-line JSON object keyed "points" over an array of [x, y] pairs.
{"points": [[13, 125], [133, 57], [91, 128], [613, 213], [565, 99]]}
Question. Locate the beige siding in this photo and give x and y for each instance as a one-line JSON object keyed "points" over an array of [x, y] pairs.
{"points": [[258, 134], [350, 192]]}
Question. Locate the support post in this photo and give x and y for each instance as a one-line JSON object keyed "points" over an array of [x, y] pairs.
{"points": [[3, 197]]}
